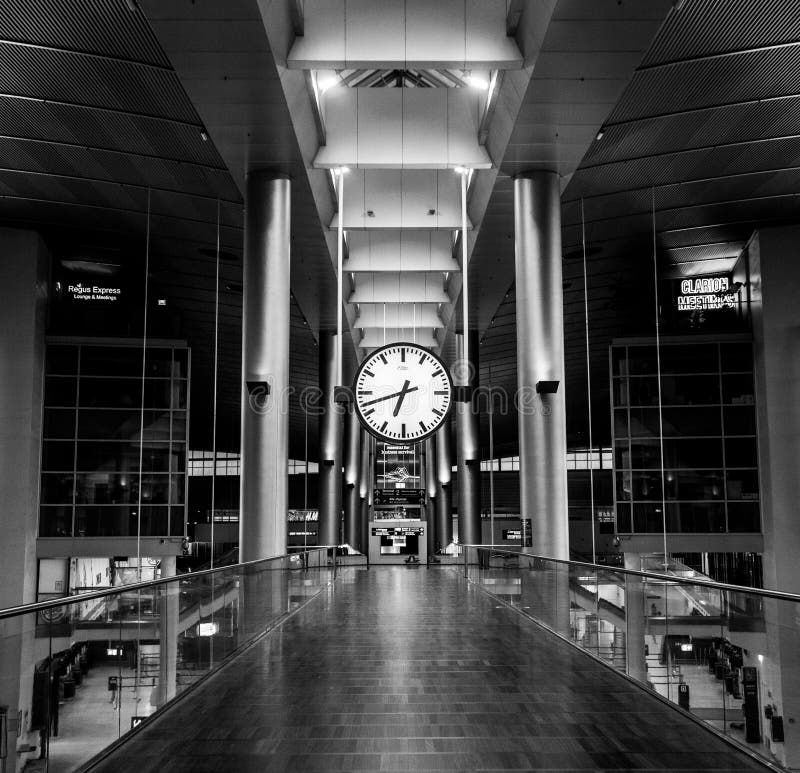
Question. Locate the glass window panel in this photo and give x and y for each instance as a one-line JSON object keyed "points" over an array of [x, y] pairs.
{"points": [[741, 452], [104, 488], [127, 393], [738, 389], [179, 394], [56, 488], [177, 461], [702, 517], [648, 517], [644, 422], [60, 390], [642, 360], [62, 360], [619, 361], [111, 360], [180, 363], [179, 425], [177, 518], [158, 362], [154, 521], [178, 489], [645, 454], [58, 455], [737, 358], [55, 521], [59, 423], [96, 456], [694, 358], [643, 390], [696, 453], [690, 390], [156, 489], [620, 386], [623, 518], [692, 422], [739, 420], [742, 484], [744, 517], [645, 486], [105, 521], [694, 484]]}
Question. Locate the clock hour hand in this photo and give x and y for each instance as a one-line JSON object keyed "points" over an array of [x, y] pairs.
{"points": [[389, 397], [401, 396]]}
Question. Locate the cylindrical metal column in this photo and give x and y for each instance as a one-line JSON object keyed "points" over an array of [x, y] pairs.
{"points": [[330, 445], [444, 474], [465, 375], [429, 467], [352, 474], [363, 492], [265, 368], [540, 360]]}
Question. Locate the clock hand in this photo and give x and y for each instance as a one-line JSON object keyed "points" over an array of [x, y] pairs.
{"points": [[388, 397], [403, 392]]}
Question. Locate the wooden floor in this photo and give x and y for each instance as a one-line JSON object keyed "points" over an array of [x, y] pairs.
{"points": [[409, 669]]}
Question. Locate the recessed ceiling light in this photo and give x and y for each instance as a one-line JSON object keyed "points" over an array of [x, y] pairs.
{"points": [[600, 134], [478, 82]]}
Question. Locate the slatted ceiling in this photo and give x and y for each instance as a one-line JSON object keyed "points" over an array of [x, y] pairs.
{"points": [[713, 27], [84, 126], [108, 28], [85, 79], [705, 83]]}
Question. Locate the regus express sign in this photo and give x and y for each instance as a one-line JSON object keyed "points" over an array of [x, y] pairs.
{"points": [[82, 292], [707, 292]]}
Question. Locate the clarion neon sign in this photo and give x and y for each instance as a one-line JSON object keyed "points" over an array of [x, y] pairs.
{"points": [[708, 292], [84, 292]]}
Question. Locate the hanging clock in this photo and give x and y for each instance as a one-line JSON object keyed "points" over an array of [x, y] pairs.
{"points": [[403, 393]]}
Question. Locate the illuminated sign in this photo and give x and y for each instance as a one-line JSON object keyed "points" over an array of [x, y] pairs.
{"points": [[398, 531], [82, 292], [399, 496], [207, 629], [705, 293]]}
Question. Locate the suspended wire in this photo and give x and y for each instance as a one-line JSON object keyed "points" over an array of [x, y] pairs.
{"points": [[214, 407], [588, 381], [141, 412], [658, 376]]}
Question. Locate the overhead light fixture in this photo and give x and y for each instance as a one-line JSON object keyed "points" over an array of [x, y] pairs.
{"points": [[340, 170], [204, 135], [678, 4], [600, 135], [132, 6], [461, 170], [477, 82], [327, 81]]}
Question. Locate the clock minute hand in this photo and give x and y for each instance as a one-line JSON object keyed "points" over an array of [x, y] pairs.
{"points": [[401, 396], [388, 397]]}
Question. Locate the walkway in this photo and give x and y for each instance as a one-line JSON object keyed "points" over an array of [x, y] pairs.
{"points": [[405, 669]]}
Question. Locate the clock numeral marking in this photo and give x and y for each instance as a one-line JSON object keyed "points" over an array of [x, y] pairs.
{"points": [[384, 425], [404, 430], [437, 372], [438, 412], [402, 355], [383, 357], [365, 391], [424, 428], [440, 391], [369, 412], [423, 358], [368, 372]]}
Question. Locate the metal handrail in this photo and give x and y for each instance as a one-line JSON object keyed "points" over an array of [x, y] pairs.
{"points": [[774, 594], [81, 597]]}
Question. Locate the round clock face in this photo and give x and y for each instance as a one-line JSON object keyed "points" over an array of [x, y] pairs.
{"points": [[403, 393]]}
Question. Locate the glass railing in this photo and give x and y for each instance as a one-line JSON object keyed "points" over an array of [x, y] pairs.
{"points": [[78, 673], [728, 655]]}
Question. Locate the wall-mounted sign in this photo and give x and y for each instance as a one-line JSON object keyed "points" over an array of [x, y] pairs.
{"points": [[398, 531], [398, 496], [706, 293], [93, 292]]}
